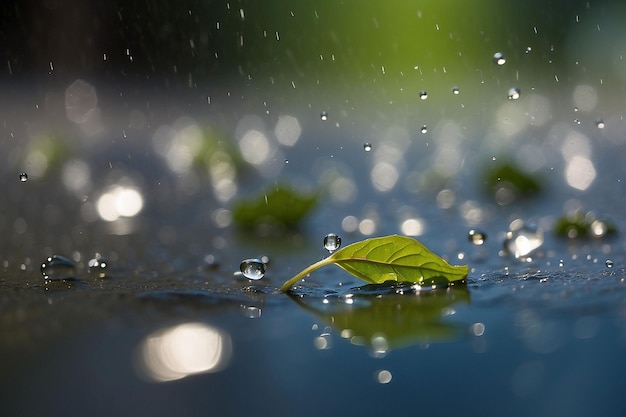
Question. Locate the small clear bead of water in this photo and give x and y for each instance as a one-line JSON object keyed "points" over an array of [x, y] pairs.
{"points": [[367, 147], [423, 95], [98, 266], [324, 116], [455, 90], [332, 242], [57, 268], [476, 237], [252, 268], [23, 177], [514, 93], [609, 263], [424, 129], [599, 123], [499, 58]]}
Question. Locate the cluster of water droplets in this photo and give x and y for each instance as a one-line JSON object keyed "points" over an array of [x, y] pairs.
{"points": [[61, 268]]}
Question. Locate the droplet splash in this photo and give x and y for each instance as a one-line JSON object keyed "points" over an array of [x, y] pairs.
{"points": [[367, 147], [514, 93], [58, 268], [324, 116], [332, 242], [476, 237], [499, 58], [424, 129], [423, 95], [252, 268], [98, 266], [23, 177]]}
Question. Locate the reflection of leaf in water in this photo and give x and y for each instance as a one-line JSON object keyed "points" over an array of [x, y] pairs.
{"points": [[390, 320]]}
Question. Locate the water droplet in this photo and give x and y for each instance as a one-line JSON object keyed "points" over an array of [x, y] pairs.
{"points": [[252, 268], [609, 263], [424, 129], [575, 109], [367, 147], [332, 242], [57, 268], [23, 177], [423, 95], [98, 266], [455, 90], [499, 58], [600, 123], [493, 158], [528, 49], [324, 116], [476, 237], [522, 240], [577, 121], [514, 93]]}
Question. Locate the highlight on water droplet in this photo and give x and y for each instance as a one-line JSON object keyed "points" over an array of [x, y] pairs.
{"points": [[514, 93], [521, 239], [476, 237], [499, 58], [58, 268], [367, 146], [324, 116], [423, 95], [252, 268], [332, 242], [424, 129], [609, 263], [455, 90], [98, 266], [23, 177], [528, 49], [600, 123]]}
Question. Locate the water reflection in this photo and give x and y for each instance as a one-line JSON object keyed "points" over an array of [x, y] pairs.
{"points": [[385, 317], [186, 349]]}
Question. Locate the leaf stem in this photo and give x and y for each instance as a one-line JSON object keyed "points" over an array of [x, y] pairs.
{"points": [[288, 284]]}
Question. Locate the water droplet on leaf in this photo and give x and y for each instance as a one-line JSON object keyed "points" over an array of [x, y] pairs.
{"points": [[514, 93], [23, 177], [499, 58], [367, 147], [57, 268], [332, 242], [252, 268], [476, 237]]}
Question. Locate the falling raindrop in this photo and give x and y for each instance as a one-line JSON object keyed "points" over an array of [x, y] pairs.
{"points": [[499, 58], [528, 49], [424, 129], [423, 95], [324, 116], [609, 263], [514, 93], [561, 263], [476, 237], [98, 266], [332, 242], [252, 268], [577, 121], [367, 147], [599, 123], [455, 90], [57, 268], [23, 177]]}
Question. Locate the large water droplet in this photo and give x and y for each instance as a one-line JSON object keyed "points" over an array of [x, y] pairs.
{"points": [[599, 123], [424, 129], [476, 237], [423, 95], [324, 116], [332, 242], [252, 268], [56, 268], [499, 58], [23, 177], [98, 266], [367, 147], [514, 93], [522, 240]]}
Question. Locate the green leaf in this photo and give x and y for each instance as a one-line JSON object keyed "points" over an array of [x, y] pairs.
{"points": [[389, 258], [280, 207]]}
